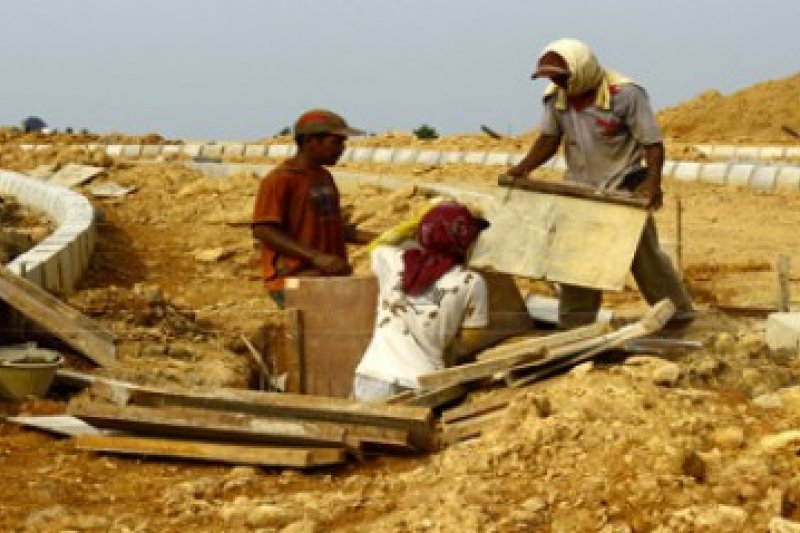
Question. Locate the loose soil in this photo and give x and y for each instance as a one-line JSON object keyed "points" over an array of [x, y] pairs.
{"points": [[689, 441]]}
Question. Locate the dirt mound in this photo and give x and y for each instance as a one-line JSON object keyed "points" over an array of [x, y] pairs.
{"points": [[754, 115]]}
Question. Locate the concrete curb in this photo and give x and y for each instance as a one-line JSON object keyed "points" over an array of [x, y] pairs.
{"points": [[59, 261]]}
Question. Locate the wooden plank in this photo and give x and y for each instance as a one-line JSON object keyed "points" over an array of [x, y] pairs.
{"points": [[65, 425], [473, 371], [784, 295], [215, 452], [333, 341], [438, 397], [469, 411], [575, 190], [550, 341], [653, 320], [210, 425], [522, 352], [469, 428], [412, 426], [544, 236], [66, 323]]}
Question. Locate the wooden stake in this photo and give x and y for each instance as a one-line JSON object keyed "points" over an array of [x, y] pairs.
{"points": [[784, 296], [679, 234]]}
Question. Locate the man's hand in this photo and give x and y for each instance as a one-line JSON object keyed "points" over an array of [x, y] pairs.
{"points": [[331, 265], [650, 188]]}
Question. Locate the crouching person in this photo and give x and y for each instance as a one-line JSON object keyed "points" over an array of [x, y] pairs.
{"points": [[425, 296]]}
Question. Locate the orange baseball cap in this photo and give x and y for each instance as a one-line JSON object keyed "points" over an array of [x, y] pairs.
{"points": [[323, 121]]}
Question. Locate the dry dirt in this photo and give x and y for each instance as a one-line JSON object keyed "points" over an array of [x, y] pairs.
{"points": [[693, 441]]}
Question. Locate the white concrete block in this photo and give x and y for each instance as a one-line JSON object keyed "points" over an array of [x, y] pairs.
{"points": [[151, 150], [382, 155], [132, 150], [764, 178], [475, 158], [739, 174], [793, 151], [405, 156], [451, 158], [429, 157], [497, 158], [192, 150], [748, 152], [686, 171], [171, 149], [114, 150], [255, 150], [714, 172], [723, 151], [773, 152], [362, 154], [211, 150], [788, 179], [783, 331], [515, 159], [27, 147], [279, 151], [233, 150]]}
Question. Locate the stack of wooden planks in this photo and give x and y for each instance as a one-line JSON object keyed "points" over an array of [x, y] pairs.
{"points": [[237, 426]]}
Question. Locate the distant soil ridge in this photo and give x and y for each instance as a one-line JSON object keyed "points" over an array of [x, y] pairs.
{"points": [[757, 114]]}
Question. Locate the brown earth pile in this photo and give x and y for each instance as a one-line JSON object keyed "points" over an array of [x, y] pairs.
{"points": [[753, 115]]}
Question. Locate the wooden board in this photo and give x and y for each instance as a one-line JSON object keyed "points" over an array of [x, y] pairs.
{"points": [[558, 238], [203, 424], [575, 190], [396, 426], [57, 318], [215, 452], [65, 425], [337, 316], [281, 345]]}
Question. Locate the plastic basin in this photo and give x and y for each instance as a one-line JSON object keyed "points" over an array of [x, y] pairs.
{"points": [[27, 371]]}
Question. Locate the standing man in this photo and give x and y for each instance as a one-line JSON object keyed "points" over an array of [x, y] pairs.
{"points": [[297, 216], [607, 127]]}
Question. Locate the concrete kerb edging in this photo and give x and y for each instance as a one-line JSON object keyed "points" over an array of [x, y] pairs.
{"points": [[785, 177], [739, 152], [58, 262]]}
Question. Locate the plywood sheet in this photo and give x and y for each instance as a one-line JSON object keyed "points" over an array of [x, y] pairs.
{"points": [[337, 315], [559, 238]]}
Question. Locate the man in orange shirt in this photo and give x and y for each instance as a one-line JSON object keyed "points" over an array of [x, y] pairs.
{"points": [[297, 216]]}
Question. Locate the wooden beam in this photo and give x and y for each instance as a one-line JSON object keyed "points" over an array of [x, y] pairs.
{"points": [[208, 425], [574, 190], [468, 411], [653, 320], [215, 452], [509, 356], [469, 428], [473, 371], [548, 341], [784, 293], [64, 425], [41, 307], [436, 398]]}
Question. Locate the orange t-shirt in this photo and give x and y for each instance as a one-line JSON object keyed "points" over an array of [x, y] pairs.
{"points": [[305, 205]]}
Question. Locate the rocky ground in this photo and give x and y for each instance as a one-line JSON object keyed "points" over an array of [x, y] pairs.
{"points": [[689, 441]]}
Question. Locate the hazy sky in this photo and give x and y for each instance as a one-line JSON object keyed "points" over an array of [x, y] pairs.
{"points": [[244, 69]]}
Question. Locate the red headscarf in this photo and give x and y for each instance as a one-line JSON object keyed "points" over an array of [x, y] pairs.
{"points": [[445, 234]]}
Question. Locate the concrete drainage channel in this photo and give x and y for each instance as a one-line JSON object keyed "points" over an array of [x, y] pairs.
{"points": [[58, 262]]}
